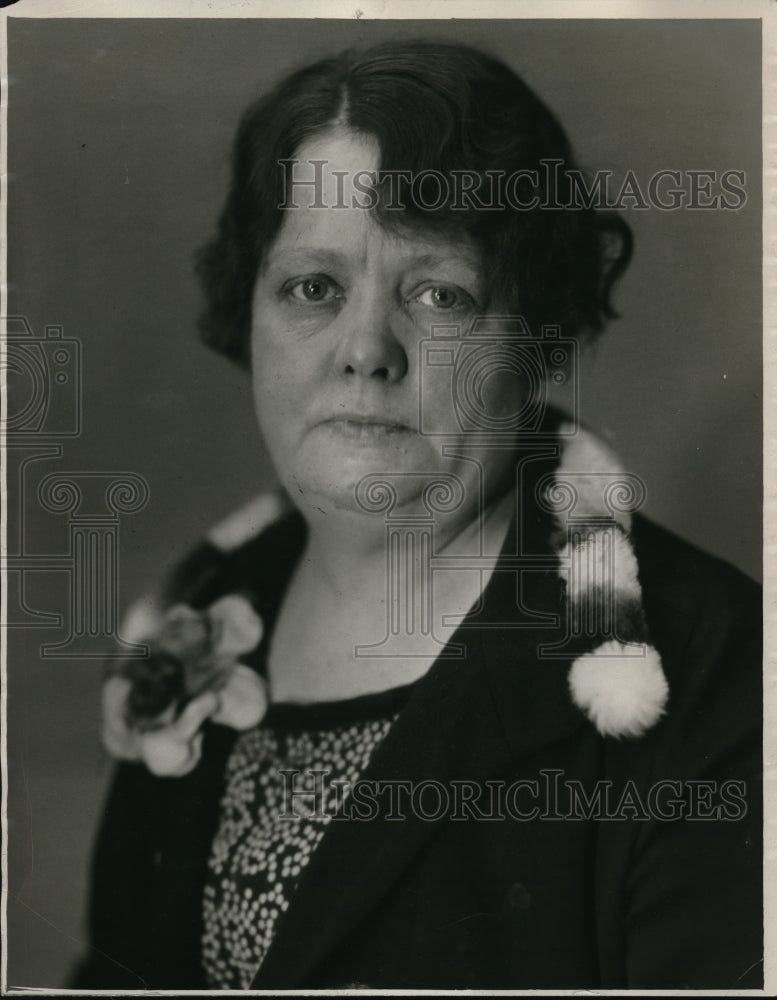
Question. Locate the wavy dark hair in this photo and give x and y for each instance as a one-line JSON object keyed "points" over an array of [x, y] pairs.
{"points": [[431, 107]]}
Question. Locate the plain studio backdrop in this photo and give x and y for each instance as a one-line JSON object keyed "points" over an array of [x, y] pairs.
{"points": [[119, 136]]}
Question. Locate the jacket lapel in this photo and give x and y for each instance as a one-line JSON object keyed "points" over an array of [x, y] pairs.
{"points": [[465, 720]]}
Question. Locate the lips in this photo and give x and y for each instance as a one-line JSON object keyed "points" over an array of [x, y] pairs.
{"points": [[364, 426], [367, 420]]}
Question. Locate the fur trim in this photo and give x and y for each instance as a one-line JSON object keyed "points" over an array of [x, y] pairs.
{"points": [[622, 694], [584, 453], [247, 522], [618, 680], [601, 561]]}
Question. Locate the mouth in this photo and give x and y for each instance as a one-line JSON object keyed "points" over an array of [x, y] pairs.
{"points": [[365, 427]]}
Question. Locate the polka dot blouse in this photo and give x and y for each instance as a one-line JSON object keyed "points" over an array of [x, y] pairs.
{"points": [[274, 813]]}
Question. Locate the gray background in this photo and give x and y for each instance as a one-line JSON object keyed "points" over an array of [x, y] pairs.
{"points": [[118, 139]]}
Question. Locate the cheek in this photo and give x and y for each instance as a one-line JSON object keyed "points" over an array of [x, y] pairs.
{"points": [[288, 375], [483, 397], [273, 378], [504, 393]]}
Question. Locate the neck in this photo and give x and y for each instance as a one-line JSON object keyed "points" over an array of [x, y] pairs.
{"points": [[346, 552], [338, 600]]}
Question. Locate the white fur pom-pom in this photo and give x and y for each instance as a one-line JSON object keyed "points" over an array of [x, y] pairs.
{"points": [[622, 695]]}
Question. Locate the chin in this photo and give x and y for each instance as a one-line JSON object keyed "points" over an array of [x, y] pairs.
{"points": [[345, 488], [332, 471], [341, 496]]}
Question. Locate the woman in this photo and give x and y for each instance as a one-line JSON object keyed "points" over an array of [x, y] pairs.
{"points": [[459, 718]]}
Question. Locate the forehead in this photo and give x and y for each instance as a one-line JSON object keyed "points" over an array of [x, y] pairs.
{"points": [[338, 152], [327, 195]]}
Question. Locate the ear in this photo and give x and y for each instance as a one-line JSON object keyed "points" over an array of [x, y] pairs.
{"points": [[616, 244]]}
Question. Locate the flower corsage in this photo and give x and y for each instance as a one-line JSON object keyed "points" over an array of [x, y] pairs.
{"points": [[154, 708]]}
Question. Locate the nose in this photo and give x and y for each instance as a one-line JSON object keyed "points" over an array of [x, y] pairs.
{"points": [[369, 346]]}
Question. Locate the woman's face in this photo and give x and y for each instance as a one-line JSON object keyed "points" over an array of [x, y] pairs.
{"points": [[340, 312]]}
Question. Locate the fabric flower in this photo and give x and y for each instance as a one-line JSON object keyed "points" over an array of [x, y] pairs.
{"points": [[153, 709]]}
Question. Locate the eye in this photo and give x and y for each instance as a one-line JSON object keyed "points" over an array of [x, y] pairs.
{"points": [[316, 288], [443, 297]]}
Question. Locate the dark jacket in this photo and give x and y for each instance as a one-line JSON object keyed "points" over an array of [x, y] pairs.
{"points": [[633, 901]]}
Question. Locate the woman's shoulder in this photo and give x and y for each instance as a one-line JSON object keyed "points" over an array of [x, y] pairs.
{"points": [[252, 542], [705, 617], [678, 578], [251, 551]]}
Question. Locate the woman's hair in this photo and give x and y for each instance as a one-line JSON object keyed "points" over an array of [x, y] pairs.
{"points": [[431, 107]]}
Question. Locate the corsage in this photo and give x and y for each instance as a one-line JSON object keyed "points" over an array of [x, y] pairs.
{"points": [[153, 709]]}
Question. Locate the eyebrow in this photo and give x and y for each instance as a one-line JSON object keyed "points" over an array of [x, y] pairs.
{"points": [[329, 257], [321, 255], [440, 260]]}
